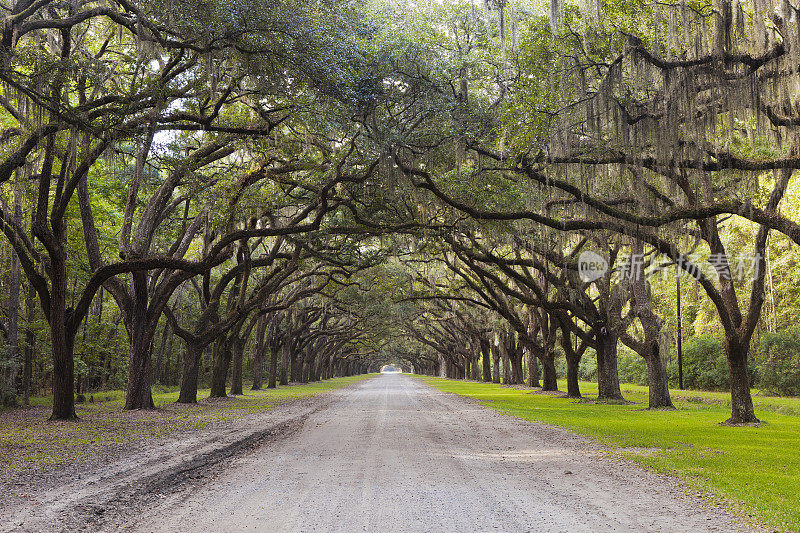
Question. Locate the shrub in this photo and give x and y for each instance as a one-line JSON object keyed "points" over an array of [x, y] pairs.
{"points": [[705, 366], [779, 365], [8, 396], [587, 369], [631, 366]]}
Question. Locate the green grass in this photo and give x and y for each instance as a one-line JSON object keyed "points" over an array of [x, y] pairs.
{"points": [[755, 470], [29, 441]]}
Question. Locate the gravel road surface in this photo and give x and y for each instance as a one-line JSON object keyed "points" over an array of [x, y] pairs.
{"points": [[392, 454]]}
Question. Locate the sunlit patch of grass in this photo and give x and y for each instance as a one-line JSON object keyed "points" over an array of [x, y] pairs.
{"points": [[756, 470], [29, 441]]}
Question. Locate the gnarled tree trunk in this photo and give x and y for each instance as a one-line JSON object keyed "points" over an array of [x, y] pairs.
{"points": [[607, 372], [63, 339], [742, 411], [142, 329]]}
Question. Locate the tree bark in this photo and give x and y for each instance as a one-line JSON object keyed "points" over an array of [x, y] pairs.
{"points": [[258, 353], [607, 372], [573, 385], [742, 411], [649, 349], [515, 354], [273, 368], [658, 396], [507, 375], [30, 346], [308, 370], [549, 377], [141, 333], [191, 370], [495, 364], [284, 371], [237, 385], [166, 370], [63, 338], [533, 369], [486, 359], [219, 374], [295, 361]]}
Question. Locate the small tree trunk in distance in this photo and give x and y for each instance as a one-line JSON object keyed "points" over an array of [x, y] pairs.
{"points": [[284, 372], [573, 386], [157, 374], [515, 354], [30, 345], [166, 371], [321, 367], [219, 374], [495, 364], [486, 359], [297, 360], [258, 353], [273, 367], [308, 369], [13, 304], [258, 368], [549, 378], [573, 357], [533, 369], [506, 362], [191, 370], [236, 370]]}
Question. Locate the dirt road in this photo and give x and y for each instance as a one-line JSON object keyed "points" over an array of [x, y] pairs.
{"points": [[392, 454], [386, 454]]}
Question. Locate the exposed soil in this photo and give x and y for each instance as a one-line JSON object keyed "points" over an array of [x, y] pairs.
{"points": [[111, 491], [386, 454]]}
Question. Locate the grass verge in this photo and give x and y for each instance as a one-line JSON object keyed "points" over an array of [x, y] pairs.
{"points": [[28, 441], [755, 470]]}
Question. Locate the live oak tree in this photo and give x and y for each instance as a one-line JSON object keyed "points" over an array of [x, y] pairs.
{"points": [[250, 159], [124, 74], [682, 120], [605, 121]]}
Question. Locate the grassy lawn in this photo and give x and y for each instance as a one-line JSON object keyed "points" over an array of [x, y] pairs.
{"points": [[29, 441], [756, 470]]}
